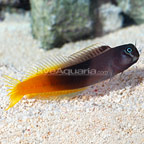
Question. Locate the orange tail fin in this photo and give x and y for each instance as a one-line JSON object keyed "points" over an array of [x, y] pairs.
{"points": [[14, 94]]}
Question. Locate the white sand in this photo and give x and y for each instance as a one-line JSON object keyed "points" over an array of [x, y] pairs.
{"points": [[112, 112]]}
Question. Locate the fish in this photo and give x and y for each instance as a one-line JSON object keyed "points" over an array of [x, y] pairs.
{"points": [[61, 76]]}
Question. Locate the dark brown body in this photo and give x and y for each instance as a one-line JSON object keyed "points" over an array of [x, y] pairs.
{"points": [[108, 64]]}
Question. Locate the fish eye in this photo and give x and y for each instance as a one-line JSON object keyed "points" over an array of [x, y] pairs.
{"points": [[129, 50]]}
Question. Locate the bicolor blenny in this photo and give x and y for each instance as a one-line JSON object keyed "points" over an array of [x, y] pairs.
{"points": [[65, 75]]}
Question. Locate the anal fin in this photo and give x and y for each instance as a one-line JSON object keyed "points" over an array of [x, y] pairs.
{"points": [[57, 95]]}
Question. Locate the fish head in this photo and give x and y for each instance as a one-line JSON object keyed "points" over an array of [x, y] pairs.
{"points": [[125, 56]]}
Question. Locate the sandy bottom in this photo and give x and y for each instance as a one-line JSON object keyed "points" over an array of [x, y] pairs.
{"points": [[111, 112]]}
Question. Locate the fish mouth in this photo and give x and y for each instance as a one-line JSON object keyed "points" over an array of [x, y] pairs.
{"points": [[135, 58]]}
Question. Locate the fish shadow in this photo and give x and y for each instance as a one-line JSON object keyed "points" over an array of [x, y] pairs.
{"points": [[130, 78]]}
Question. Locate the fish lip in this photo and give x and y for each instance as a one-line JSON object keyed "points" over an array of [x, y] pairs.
{"points": [[135, 59]]}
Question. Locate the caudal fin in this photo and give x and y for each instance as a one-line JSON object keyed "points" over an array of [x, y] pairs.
{"points": [[14, 95]]}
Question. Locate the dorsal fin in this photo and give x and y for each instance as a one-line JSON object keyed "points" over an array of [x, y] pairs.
{"points": [[59, 62], [89, 52], [47, 65]]}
